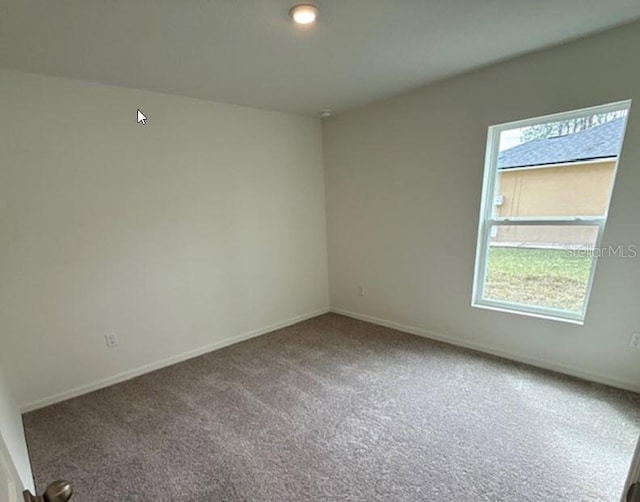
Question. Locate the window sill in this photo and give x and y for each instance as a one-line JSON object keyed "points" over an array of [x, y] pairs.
{"points": [[528, 313]]}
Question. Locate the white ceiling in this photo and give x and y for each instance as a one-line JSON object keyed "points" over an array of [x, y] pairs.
{"points": [[248, 52]]}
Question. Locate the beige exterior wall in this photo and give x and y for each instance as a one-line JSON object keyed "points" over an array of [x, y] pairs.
{"points": [[576, 189]]}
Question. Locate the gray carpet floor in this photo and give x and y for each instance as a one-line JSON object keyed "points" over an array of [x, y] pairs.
{"points": [[338, 409]]}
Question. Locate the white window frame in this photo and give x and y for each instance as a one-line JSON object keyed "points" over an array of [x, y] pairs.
{"points": [[487, 220]]}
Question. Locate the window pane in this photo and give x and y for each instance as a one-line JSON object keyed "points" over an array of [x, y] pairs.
{"points": [[542, 266], [561, 168]]}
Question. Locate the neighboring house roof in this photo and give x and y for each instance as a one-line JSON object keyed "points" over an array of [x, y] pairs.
{"points": [[596, 143]]}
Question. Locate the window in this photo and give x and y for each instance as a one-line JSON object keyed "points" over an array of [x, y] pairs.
{"points": [[546, 192]]}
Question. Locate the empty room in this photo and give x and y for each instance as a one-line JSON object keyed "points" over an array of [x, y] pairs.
{"points": [[363, 250]]}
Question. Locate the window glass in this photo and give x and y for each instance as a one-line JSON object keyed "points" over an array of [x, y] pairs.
{"points": [[546, 195]]}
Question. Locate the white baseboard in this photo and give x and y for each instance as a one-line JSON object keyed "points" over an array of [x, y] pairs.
{"points": [[522, 358], [147, 368]]}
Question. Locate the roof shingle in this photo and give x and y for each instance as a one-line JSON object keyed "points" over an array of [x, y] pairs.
{"points": [[596, 143]]}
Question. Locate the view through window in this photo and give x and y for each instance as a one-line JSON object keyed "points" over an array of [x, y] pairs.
{"points": [[546, 194]]}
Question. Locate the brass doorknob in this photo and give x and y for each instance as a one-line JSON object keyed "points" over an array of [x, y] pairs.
{"points": [[58, 491]]}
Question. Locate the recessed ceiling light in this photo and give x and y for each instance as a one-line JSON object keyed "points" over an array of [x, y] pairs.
{"points": [[304, 13]]}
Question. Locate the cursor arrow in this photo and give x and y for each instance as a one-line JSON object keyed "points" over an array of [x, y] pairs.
{"points": [[142, 119]]}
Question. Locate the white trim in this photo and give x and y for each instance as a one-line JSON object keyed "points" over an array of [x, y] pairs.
{"points": [[487, 349], [147, 368], [541, 245], [601, 160], [8, 468], [547, 221], [486, 212], [634, 472], [529, 311], [568, 115]]}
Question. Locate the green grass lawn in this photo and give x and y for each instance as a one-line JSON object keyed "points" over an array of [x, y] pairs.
{"points": [[547, 277]]}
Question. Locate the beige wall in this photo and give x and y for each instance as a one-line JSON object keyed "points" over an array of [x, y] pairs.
{"points": [[205, 225], [577, 189], [404, 182]]}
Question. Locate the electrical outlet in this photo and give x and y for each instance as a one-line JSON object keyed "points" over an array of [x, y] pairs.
{"points": [[111, 340], [360, 290], [634, 343]]}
